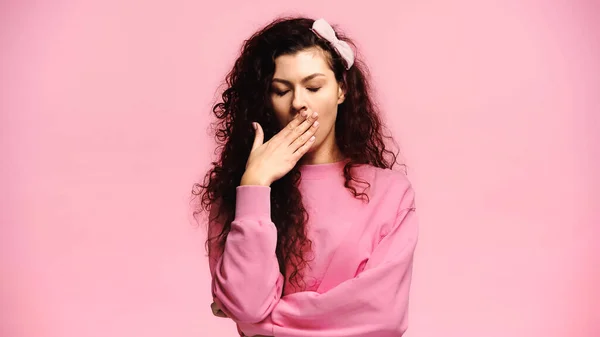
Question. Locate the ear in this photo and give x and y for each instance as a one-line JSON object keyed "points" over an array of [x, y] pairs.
{"points": [[341, 93]]}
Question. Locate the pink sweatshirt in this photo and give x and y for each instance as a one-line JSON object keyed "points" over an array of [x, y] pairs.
{"points": [[359, 277]]}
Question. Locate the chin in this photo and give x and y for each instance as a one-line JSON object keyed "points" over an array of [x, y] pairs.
{"points": [[315, 146]]}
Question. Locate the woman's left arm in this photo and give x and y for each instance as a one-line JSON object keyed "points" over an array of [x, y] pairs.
{"points": [[374, 303]]}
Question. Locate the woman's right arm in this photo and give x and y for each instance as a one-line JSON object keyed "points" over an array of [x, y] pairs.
{"points": [[246, 281]]}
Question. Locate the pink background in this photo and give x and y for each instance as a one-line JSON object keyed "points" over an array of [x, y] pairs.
{"points": [[105, 108]]}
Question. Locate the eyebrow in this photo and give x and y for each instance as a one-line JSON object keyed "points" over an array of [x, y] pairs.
{"points": [[304, 80]]}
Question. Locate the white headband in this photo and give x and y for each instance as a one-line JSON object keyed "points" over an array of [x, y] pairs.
{"points": [[324, 30]]}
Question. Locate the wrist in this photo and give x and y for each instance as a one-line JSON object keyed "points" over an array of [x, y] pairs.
{"points": [[249, 180]]}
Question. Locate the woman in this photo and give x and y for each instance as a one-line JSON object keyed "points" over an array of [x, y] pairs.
{"points": [[311, 232]]}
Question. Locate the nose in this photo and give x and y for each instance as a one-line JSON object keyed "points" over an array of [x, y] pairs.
{"points": [[298, 102]]}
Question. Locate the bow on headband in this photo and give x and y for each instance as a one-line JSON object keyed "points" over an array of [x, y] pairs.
{"points": [[324, 30]]}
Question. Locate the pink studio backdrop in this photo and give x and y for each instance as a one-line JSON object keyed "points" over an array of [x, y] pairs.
{"points": [[105, 109]]}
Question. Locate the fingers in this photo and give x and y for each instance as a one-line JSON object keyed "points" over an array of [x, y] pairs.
{"points": [[299, 130], [289, 128], [290, 131], [259, 135], [301, 151], [308, 132]]}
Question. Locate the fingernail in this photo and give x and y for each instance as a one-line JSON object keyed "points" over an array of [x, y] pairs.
{"points": [[254, 126], [314, 115], [304, 113], [316, 123]]}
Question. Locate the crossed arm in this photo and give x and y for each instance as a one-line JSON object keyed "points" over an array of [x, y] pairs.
{"points": [[379, 294]]}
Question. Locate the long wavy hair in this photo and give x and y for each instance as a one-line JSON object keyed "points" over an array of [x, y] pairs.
{"points": [[359, 135]]}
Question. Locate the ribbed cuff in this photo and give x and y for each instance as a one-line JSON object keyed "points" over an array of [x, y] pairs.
{"points": [[253, 201]]}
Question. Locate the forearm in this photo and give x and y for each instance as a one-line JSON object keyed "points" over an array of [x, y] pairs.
{"points": [[246, 278]]}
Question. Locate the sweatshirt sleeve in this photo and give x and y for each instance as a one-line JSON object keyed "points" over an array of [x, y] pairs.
{"points": [[373, 304], [246, 281]]}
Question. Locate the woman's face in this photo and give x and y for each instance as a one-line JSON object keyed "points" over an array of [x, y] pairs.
{"points": [[304, 81]]}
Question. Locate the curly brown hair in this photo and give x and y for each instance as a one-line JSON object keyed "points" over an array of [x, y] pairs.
{"points": [[359, 135]]}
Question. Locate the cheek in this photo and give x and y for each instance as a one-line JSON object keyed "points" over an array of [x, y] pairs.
{"points": [[283, 119], [280, 112], [324, 104], [327, 123], [327, 109]]}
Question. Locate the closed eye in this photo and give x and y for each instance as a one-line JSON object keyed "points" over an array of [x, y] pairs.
{"points": [[282, 93]]}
